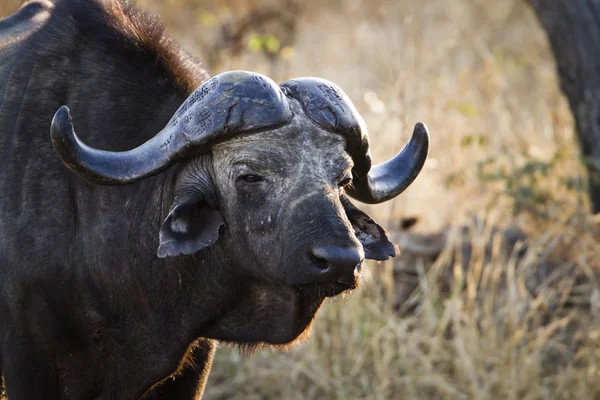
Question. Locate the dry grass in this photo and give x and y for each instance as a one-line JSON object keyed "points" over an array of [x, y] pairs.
{"points": [[479, 73]]}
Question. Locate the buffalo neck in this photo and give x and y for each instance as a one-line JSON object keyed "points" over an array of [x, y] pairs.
{"points": [[115, 303], [170, 301]]}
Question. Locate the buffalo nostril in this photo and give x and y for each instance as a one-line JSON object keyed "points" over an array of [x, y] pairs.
{"points": [[319, 258], [337, 260]]}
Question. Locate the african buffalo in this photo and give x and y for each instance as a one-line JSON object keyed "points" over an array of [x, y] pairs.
{"points": [[468, 243], [217, 209]]}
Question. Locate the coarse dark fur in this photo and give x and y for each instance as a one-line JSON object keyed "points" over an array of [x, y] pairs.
{"points": [[87, 309]]}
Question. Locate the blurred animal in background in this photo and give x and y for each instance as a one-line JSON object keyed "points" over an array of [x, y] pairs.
{"points": [[463, 246], [209, 209], [481, 252]]}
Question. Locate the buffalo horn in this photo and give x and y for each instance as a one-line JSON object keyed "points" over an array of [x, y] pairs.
{"points": [[387, 180], [328, 106], [232, 103]]}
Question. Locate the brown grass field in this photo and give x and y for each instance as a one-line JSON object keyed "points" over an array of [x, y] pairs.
{"points": [[480, 74]]}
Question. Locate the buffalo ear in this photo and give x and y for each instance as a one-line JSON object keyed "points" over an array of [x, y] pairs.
{"points": [[190, 226], [374, 238]]}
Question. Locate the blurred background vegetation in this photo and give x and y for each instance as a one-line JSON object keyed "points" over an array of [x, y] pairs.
{"points": [[520, 324]]}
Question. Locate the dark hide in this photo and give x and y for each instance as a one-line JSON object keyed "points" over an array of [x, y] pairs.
{"points": [[87, 308], [77, 321]]}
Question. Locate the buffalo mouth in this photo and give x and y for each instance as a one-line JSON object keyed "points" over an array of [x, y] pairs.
{"points": [[325, 290], [331, 289]]}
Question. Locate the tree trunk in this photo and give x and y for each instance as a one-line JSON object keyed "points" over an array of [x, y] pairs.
{"points": [[573, 29]]}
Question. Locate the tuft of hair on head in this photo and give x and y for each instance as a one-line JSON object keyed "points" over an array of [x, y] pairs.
{"points": [[139, 32]]}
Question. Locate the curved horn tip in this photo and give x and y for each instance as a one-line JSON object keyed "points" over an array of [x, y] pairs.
{"points": [[421, 129], [387, 180], [61, 128], [61, 119]]}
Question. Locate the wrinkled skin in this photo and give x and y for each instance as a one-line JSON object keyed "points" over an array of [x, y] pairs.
{"points": [[88, 309], [290, 204], [297, 200], [296, 205]]}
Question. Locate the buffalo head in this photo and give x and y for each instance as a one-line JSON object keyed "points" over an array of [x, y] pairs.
{"points": [[264, 176]]}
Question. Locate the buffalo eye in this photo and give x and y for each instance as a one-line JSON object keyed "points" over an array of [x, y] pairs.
{"points": [[250, 178], [345, 181]]}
